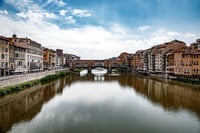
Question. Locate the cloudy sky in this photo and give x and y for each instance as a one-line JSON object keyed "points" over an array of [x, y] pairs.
{"points": [[98, 29]]}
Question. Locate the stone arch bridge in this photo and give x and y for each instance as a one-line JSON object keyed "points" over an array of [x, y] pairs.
{"points": [[108, 64]]}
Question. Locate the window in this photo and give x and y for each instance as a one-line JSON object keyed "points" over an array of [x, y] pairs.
{"points": [[2, 56], [6, 64], [4, 42], [20, 40], [11, 60], [16, 55], [6, 56], [6, 49]]}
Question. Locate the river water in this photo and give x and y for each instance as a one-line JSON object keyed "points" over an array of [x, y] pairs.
{"points": [[108, 104]]}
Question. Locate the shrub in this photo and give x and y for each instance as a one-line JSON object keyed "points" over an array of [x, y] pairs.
{"points": [[22, 86]]}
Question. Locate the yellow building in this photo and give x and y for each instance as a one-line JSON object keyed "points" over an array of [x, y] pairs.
{"points": [[52, 59], [49, 59], [46, 62]]}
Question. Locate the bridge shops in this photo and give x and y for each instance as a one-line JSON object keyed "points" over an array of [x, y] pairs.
{"points": [[107, 64]]}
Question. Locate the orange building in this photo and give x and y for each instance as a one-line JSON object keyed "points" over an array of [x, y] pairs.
{"points": [[46, 63], [124, 58], [187, 62], [49, 60], [127, 59], [52, 58], [178, 69], [140, 64], [170, 62], [196, 65], [134, 61], [183, 62], [157, 55]]}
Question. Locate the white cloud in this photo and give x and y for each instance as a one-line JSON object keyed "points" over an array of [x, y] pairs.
{"points": [[57, 2], [190, 35], [61, 3], [70, 20], [22, 15], [49, 15], [81, 13], [4, 12], [144, 28], [94, 42], [28, 1], [171, 33], [63, 12], [21, 5], [36, 16], [117, 29], [163, 35], [88, 41]]}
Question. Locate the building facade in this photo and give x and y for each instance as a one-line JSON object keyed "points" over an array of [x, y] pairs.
{"points": [[49, 59], [4, 56], [33, 55], [46, 61], [59, 58], [69, 58], [52, 59], [196, 65]]}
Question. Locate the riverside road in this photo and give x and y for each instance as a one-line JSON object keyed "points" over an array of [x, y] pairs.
{"points": [[21, 78]]}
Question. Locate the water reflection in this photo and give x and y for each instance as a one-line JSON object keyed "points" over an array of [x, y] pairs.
{"points": [[99, 78], [25, 105], [125, 103], [83, 73], [171, 95], [99, 71]]}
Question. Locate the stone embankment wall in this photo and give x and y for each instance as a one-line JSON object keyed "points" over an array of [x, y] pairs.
{"points": [[17, 79]]}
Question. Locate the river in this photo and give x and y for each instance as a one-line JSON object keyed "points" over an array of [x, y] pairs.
{"points": [[108, 104]]}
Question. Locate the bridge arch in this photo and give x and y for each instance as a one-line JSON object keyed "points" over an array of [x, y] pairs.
{"points": [[91, 64]]}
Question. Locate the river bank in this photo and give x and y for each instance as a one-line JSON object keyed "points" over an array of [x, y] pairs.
{"points": [[178, 78], [20, 78], [25, 85]]}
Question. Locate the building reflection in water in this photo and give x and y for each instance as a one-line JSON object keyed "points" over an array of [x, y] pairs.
{"points": [[24, 106], [170, 95]]}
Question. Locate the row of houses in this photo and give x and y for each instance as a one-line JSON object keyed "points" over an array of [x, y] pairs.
{"points": [[170, 59], [23, 55]]}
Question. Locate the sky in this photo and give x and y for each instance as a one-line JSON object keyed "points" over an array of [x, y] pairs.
{"points": [[100, 29]]}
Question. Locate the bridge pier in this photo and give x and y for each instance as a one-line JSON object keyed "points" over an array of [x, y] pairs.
{"points": [[109, 70], [89, 70]]}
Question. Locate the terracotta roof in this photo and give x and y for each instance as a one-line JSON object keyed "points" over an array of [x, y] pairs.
{"points": [[177, 41], [4, 38]]}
